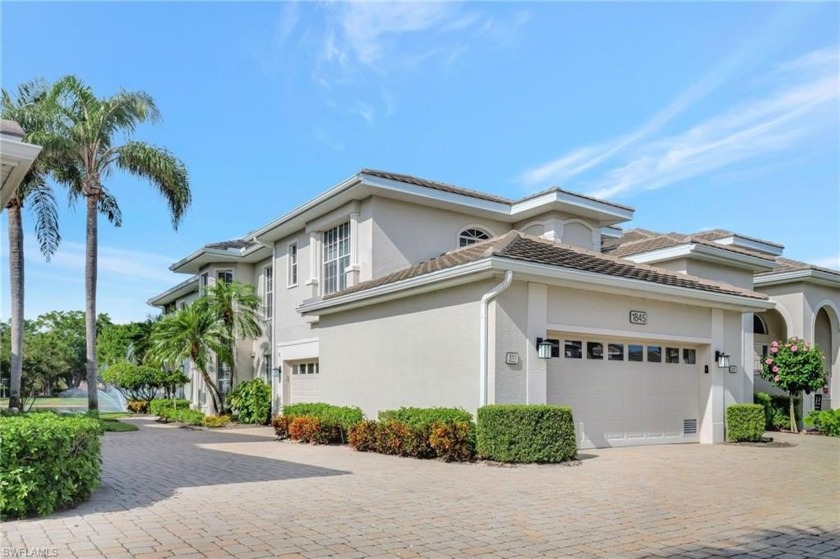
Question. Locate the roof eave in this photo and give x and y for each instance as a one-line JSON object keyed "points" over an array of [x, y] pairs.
{"points": [[174, 293], [703, 252]]}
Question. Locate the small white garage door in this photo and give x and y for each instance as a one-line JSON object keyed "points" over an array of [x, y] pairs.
{"points": [[626, 392], [304, 378]]}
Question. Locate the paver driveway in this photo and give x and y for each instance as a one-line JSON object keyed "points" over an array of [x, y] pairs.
{"points": [[170, 491]]}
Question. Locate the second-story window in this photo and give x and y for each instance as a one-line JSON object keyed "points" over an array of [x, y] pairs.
{"points": [[202, 283], [293, 265], [224, 276], [336, 243], [472, 236], [268, 291]]}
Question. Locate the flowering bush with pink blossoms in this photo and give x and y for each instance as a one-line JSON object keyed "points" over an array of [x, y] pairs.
{"points": [[794, 366]]}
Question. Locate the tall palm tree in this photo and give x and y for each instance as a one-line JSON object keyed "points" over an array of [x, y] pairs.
{"points": [[94, 127], [29, 108], [237, 306], [194, 333]]}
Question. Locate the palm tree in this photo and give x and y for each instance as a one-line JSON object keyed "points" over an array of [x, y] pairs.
{"points": [[237, 306], [28, 108], [94, 127], [194, 333]]}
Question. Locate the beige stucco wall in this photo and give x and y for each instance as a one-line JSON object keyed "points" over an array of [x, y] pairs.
{"points": [[421, 351], [707, 270], [406, 234]]}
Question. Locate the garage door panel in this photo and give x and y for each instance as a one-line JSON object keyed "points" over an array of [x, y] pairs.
{"points": [[618, 403]]}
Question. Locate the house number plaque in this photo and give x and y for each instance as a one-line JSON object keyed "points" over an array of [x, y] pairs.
{"points": [[638, 317]]}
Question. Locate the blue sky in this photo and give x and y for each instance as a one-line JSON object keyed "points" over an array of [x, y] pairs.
{"points": [[698, 115]]}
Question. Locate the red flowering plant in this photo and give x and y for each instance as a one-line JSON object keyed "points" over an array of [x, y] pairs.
{"points": [[794, 366]]}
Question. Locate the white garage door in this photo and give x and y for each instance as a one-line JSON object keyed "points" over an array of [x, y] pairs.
{"points": [[625, 392], [304, 378]]}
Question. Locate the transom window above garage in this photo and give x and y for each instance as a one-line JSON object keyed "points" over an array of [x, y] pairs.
{"points": [[472, 236], [633, 352], [306, 368]]}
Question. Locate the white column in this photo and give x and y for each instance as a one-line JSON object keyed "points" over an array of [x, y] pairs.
{"points": [[536, 382], [314, 262], [711, 426], [352, 271], [747, 360]]}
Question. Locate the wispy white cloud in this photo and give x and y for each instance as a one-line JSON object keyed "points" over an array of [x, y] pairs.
{"points": [[114, 263], [803, 100]]}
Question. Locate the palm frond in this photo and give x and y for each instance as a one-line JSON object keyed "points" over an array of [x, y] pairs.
{"points": [[165, 171], [42, 202], [110, 209]]}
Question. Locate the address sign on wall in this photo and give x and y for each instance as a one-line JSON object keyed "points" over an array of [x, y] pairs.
{"points": [[638, 317]]}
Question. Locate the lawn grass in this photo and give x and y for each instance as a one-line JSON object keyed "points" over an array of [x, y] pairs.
{"points": [[115, 414], [114, 425], [51, 402]]}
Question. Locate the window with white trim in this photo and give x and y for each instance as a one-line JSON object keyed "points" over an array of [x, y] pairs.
{"points": [[268, 291], [336, 242], [292, 280], [224, 276], [266, 372], [472, 236], [306, 368], [203, 281]]}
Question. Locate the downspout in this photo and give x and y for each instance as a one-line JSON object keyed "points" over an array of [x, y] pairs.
{"points": [[483, 360], [275, 363]]}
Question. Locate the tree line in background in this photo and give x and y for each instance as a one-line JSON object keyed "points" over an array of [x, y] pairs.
{"points": [[54, 357], [85, 139]]}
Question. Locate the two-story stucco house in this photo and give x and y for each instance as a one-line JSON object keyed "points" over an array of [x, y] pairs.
{"points": [[388, 290]]}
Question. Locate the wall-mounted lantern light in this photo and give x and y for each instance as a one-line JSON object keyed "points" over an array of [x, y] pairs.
{"points": [[722, 360], [275, 372], [543, 348]]}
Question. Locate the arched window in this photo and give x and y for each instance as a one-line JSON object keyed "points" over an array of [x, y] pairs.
{"points": [[472, 236], [759, 326]]}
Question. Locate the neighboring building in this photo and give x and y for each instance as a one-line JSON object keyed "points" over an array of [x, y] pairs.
{"points": [[389, 290], [16, 157]]}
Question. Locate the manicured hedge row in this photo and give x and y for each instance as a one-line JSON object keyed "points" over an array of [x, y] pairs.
{"points": [[317, 422], [446, 433], [47, 462], [526, 433], [191, 417], [155, 406], [744, 422]]}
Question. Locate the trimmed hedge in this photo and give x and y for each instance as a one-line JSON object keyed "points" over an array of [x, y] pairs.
{"points": [[191, 417], [334, 422], [526, 433], [138, 406], [155, 406], [446, 433], [47, 462], [744, 422]]}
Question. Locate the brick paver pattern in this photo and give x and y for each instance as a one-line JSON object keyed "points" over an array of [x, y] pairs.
{"points": [[238, 493]]}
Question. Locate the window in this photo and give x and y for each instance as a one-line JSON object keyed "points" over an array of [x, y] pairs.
{"points": [[472, 236], [222, 377], [594, 350], [267, 367], [635, 352], [224, 276], [654, 353], [203, 280], [292, 280], [689, 356], [615, 352], [336, 257], [268, 291], [759, 326], [573, 350], [310, 368], [672, 355]]}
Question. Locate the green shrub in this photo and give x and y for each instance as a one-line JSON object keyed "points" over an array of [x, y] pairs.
{"points": [[141, 382], [776, 410], [342, 417], [47, 462], [155, 406], [744, 422], [252, 401], [309, 429], [826, 422], [188, 416], [215, 421], [526, 433], [138, 406], [425, 417]]}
